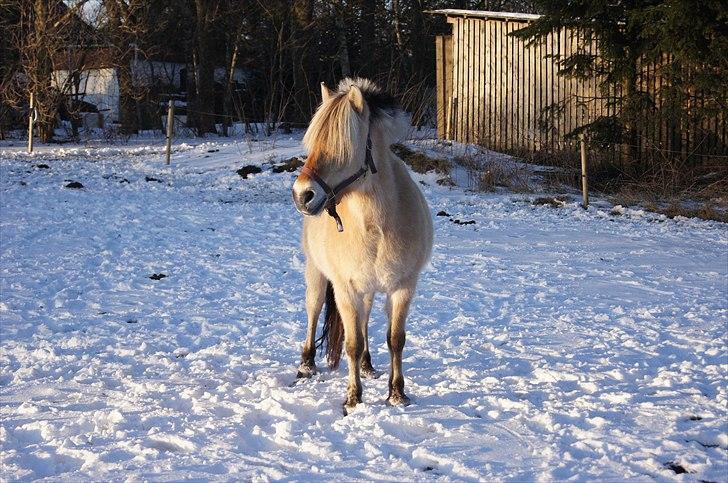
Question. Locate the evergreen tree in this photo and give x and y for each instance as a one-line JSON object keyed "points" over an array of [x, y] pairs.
{"points": [[685, 40]]}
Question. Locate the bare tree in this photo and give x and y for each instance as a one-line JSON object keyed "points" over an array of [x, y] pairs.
{"points": [[37, 32], [124, 27]]}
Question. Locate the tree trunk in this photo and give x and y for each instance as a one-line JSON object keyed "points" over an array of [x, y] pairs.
{"points": [[228, 100], [418, 40], [303, 64], [42, 68], [343, 52], [127, 105], [397, 27], [367, 44], [204, 99]]}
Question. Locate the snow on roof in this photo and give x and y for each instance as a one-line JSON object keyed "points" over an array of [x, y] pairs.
{"points": [[452, 12]]}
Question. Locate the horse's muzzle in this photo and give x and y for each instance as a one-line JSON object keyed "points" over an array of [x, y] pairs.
{"points": [[308, 202]]}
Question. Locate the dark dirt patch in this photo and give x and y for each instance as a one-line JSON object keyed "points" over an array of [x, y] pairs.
{"points": [[248, 170], [421, 163], [23, 183], [42, 166], [289, 165], [461, 222], [149, 179], [677, 468], [113, 176], [132, 321], [74, 185], [213, 150], [157, 276], [443, 213]]}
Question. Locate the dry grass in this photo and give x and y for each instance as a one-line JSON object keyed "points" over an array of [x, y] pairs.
{"points": [[421, 163], [554, 201], [686, 204], [486, 173], [705, 211], [672, 187], [697, 193]]}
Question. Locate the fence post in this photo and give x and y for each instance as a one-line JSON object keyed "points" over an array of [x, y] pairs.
{"points": [[170, 127], [584, 183], [31, 120]]}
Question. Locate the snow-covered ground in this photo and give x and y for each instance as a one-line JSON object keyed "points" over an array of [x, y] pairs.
{"points": [[544, 343]]}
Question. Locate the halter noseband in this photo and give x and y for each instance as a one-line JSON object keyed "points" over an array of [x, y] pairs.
{"points": [[331, 194]]}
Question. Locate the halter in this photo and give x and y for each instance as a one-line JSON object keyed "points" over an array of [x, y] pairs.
{"points": [[331, 194]]}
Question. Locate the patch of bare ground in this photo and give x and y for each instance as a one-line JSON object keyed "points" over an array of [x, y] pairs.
{"points": [[666, 186], [422, 163], [488, 173]]}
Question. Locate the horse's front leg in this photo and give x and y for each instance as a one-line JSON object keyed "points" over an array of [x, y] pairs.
{"points": [[350, 305], [397, 307], [315, 295]]}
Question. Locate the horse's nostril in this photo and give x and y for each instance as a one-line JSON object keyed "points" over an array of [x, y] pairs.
{"points": [[308, 196]]}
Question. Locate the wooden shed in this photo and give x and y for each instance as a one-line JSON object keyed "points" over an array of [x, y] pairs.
{"points": [[495, 91]]}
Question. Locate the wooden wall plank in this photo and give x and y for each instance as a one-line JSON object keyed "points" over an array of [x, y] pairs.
{"points": [[497, 87], [440, 85], [491, 85], [477, 113], [512, 83], [459, 101]]}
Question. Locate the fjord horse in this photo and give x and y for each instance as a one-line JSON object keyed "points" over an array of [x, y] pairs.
{"points": [[367, 229]]}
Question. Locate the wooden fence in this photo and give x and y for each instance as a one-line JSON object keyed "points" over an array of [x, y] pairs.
{"points": [[494, 91]]}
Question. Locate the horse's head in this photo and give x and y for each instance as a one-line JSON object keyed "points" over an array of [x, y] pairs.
{"points": [[338, 144]]}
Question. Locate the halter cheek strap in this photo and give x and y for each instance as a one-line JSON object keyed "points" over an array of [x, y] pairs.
{"points": [[331, 194]]}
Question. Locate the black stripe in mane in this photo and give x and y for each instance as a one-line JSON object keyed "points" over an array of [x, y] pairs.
{"points": [[380, 102]]}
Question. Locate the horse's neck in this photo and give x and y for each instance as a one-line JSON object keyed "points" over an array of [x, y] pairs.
{"points": [[377, 198]]}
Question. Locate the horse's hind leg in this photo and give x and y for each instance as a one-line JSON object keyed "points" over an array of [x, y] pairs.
{"points": [[315, 295], [367, 370], [397, 307]]}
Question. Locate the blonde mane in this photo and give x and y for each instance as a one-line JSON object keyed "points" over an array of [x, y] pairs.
{"points": [[336, 126]]}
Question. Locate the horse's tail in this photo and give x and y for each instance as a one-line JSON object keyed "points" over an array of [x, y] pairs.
{"points": [[332, 334]]}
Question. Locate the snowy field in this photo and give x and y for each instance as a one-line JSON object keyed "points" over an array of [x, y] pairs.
{"points": [[544, 343]]}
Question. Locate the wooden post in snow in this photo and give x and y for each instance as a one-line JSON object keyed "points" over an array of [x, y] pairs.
{"points": [[31, 120], [170, 128], [584, 184]]}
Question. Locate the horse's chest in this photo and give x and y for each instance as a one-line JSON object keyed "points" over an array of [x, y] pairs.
{"points": [[363, 259]]}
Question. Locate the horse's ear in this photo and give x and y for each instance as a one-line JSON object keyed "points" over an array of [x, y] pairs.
{"points": [[356, 98], [325, 93]]}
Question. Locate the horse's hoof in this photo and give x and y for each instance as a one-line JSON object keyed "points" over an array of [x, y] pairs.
{"points": [[399, 400], [369, 373], [348, 408], [305, 371]]}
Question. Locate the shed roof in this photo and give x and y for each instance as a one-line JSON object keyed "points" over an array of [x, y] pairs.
{"points": [[451, 12]]}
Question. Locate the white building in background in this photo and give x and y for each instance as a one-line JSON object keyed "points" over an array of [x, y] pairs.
{"points": [[95, 82]]}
